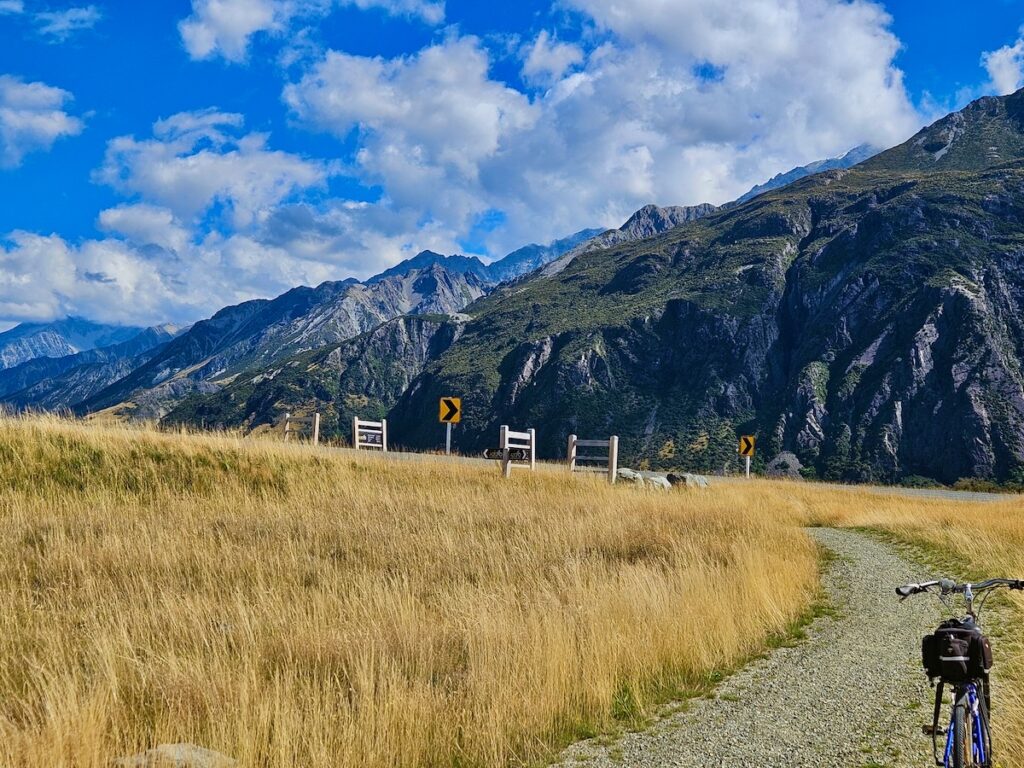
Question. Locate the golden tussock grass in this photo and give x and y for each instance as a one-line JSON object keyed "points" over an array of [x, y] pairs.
{"points": [[290, 607]]}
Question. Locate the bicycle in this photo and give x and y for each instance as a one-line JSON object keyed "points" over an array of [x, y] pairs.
{"points": [[959, 655]]}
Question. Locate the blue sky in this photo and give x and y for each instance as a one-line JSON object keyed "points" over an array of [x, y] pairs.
{"points": [[160, 160]]}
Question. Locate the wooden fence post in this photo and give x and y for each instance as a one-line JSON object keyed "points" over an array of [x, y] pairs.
{"points": [[533, 448], [355, 432], [572, 453], [613, 459], [316, 429], [384, 435]]}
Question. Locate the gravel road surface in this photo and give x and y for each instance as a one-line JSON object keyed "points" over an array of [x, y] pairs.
{"points": [[852, 694]]}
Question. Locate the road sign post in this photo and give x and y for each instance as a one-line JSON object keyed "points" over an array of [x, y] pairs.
{"points": [[449, 412], [747, 448]]}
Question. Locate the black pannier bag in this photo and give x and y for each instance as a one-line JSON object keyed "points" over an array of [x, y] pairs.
{"points": [[956, 652]]}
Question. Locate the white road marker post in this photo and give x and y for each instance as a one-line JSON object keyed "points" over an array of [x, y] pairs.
{"points": [[448, 440], [506, 463]]}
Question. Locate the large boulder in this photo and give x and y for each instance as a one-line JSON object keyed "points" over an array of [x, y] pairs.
{"points": [[786, 465], [656, 480], [630, 476], [688, 480]]}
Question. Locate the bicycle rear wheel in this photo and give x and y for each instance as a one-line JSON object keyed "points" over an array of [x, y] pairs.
{"points": [[962, 747]]}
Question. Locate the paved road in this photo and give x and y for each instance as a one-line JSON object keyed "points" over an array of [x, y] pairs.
{"points": [[852, 695]]}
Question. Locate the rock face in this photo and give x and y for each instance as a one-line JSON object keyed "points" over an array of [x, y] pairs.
{"points": [[29, 341], [869, 321]]}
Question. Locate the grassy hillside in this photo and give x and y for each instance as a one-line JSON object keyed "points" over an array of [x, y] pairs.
{"points": [[296, 608]]}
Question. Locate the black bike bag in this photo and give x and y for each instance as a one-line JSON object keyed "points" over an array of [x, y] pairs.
{"points": [[956, 652]]}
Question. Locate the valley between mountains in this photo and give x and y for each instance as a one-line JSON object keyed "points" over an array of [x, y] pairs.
{"points": [[864, 321]]}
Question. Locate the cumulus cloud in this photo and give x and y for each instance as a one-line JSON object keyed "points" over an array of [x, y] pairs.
{"points": [[225, 27], [152, 269], [60, 25], [549, 59], [1005, 67], [215, 224], [146, 224], [32, 117], [655, 111], [198, 160]]}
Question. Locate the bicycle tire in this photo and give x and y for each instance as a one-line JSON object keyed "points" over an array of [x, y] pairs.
{"points": [[961, 757]]}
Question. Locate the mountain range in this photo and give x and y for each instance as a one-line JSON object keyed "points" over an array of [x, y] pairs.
{"points": [[861, 315], [69, 336]]}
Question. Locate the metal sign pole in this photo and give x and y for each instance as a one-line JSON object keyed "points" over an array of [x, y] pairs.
{"points": [[448, 440], [748, 467]]}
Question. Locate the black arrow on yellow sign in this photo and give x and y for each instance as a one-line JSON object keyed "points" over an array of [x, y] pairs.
{"points": [[451, 410], [748, 444]]}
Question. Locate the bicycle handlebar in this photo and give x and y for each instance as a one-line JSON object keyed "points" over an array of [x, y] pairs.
{"points": [[948, 586]]}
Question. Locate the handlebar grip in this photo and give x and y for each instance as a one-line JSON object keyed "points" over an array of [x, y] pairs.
{"points": [[907, 591], [1019, 584]]}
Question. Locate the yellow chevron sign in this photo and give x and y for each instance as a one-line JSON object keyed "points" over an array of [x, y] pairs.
{"points": [[451, 410], [748, 445]]}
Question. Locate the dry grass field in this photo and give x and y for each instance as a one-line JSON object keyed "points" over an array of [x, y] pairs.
{"points": [[290, 607]]}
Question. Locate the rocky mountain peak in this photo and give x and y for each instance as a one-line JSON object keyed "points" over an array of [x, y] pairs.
{"points": [[986, 133]]}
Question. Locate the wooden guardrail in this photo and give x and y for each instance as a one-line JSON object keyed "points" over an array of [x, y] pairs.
{"points": [[605, 462], [296, 426]]}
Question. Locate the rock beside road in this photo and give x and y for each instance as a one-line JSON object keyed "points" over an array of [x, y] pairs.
{"points": [[785, 465], [688, 480], [660, 480]]}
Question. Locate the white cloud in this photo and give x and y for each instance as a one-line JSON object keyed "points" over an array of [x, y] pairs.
{"points": [[146, 224], [430, 123], [60, 25], [659, 111], [225, 27], [1005, 67], [548, 59], [11, 6], [32, 117], [197, 161]]}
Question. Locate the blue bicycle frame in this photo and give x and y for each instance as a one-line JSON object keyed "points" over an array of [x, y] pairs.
{"points": [[977, 734]]}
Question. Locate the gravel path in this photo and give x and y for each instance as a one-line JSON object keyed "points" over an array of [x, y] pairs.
{"points": [[853, 694]]}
